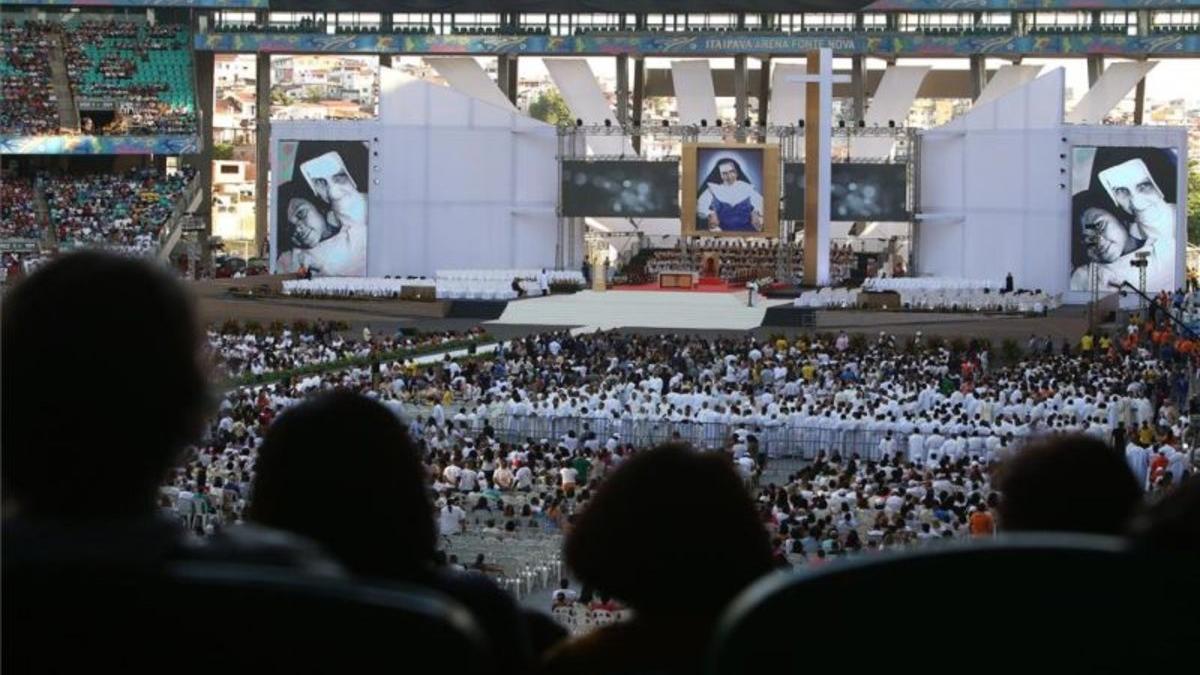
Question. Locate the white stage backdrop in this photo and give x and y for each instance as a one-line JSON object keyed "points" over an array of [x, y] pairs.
{"points": [[996, 190], [456, 183]]}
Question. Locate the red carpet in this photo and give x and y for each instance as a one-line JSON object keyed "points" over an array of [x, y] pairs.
{"points": [[705, 285]]}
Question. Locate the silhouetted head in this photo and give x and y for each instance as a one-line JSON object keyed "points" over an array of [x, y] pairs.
{"points": [[102, 385], [341, 470], [1173, 523], [713, 549], [1068, 484]]}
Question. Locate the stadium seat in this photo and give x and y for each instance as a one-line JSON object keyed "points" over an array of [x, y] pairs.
{"points": [[1051, 603], [212, 617]]}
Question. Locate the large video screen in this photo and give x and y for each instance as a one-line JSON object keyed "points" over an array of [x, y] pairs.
{"points": [[1124, 206], [321, 208], [793, 191], [730, 189], [858, 192], [620, 189], [872, 192]]}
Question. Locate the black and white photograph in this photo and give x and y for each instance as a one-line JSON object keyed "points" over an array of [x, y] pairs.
{"points": [[321, 208], [1123, 208], [620, 189]]}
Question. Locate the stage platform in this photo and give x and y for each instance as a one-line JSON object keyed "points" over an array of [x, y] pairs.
{"points": [[704, 286], [643, 309]]}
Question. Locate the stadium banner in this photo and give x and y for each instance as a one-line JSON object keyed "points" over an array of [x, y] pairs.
{"points": [[730, 189], [666, 44], [99, 145], [1124, 208], [620, 189], [321, 197]]}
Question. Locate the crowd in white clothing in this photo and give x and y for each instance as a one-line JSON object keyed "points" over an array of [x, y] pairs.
{"points": [[280, 349]]}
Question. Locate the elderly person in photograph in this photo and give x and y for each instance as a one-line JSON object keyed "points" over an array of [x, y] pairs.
{"points": [[729, 202]]}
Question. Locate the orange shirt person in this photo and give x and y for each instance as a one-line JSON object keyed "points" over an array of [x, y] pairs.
{"points": [[981, 523]]}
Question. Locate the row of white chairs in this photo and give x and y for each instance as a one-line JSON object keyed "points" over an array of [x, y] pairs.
{"points": [[461, 289], [508, 275], [952, 299], [835, 298], [927, 284], [350, 286], [978, 301]]}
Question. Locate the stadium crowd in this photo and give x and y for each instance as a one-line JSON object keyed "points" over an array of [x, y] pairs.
{"points": [[257, 352], [965, 447], [105, 59], [125, 210], [18, 215], [29, 104]]}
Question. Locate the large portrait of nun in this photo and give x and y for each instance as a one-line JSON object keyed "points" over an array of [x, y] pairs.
{"points": [[1124, 206], [320, 208], [730, 190]]}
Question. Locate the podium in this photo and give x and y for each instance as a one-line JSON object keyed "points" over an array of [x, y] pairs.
{"points": [[600, 276]]}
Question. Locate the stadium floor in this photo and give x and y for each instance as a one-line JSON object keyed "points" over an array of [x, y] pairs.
{"points": [[216, 305]]}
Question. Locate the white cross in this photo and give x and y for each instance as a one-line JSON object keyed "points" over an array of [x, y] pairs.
{"points": [[818, 233]]}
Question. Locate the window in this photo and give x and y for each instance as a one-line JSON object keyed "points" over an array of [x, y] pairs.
{"points": [[229, 168], [228, 18], [875, 21]]}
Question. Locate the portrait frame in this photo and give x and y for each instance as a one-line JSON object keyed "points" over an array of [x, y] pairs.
{"points": [[297, 164], [692, 173]]}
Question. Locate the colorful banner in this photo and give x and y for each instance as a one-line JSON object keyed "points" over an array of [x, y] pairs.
{"points": [[703, 45], [99, 145]]}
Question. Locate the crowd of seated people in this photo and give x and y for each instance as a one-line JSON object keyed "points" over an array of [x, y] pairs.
{"points": [[896, 464], [30, 106], [260, 353], [141, 71], [739, 259], [18, 215], [742, 259], [366, 515], [125, 211]]}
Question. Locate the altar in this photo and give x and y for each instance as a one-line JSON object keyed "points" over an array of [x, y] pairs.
{"points": [[677, 279]]}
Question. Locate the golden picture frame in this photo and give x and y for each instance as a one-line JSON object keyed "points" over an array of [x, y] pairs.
{"points": [[755, 161]]}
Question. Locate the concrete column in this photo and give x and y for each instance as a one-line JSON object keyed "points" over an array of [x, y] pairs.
{"points": [[1143, 22], [204, 101], [764, 90], [506, 76], [1139, 101], [623, 90], [1018, 23], [858, 85], [639, 93], [1095, 68], [741, 89], [978, 75], [262, 149]]}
